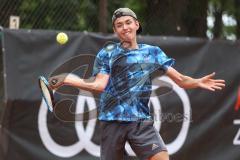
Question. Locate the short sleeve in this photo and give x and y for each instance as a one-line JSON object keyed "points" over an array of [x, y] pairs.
{"points": [[163, 59], [101, 63]]}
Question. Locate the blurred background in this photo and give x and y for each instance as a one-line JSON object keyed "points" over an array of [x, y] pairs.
{"points": [[205, 18]]}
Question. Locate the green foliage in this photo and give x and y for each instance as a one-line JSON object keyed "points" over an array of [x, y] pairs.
{"points": [[222, 7], [63, 15], [157, 17], [48, 14]]}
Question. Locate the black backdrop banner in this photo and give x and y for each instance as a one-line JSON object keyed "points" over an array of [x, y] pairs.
{"points": [[195, 124]]}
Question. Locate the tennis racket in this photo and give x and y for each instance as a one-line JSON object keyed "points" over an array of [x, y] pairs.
{"points": [[47, 93]]}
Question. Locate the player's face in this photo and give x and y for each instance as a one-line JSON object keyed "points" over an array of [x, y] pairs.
{"points": [[126, 27]]}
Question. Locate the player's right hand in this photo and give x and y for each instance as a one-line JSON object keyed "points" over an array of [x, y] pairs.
{"points": [[56, 81]]}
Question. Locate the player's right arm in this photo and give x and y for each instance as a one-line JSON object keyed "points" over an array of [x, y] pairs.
{"points": [[95, 84]]}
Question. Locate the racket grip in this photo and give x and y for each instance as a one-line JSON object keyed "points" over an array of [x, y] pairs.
{"points": [[54, 81]]}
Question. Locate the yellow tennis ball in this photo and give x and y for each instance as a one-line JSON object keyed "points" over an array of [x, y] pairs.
{"points": [[62, 38]]}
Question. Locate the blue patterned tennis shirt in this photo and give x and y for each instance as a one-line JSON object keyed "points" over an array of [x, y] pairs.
{"points": [[127, 93]]}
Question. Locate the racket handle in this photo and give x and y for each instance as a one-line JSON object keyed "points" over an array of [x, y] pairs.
{"points": [[54, 81]]}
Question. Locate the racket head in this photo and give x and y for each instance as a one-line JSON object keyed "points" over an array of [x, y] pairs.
{"points": [[47, 93]]}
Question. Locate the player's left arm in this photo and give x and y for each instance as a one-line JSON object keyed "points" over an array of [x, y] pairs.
{"points": [[205, 82]]}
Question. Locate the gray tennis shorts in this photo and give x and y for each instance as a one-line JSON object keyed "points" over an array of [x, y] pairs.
{"points": [[143, 138]]}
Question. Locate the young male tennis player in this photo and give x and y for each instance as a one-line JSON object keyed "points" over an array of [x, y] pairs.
{"points": [[121, 73]]}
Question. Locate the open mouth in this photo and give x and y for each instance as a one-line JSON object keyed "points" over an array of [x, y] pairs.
{"points": [[126, 34]]}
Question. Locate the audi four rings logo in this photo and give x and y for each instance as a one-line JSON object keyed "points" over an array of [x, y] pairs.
{"points": [[85, 134]]}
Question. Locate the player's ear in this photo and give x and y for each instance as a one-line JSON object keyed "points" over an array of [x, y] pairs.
{"points": [[114, 29], [137, 24]]}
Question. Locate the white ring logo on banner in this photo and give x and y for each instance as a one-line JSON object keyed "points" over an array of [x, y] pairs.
{"points": [[85, 135]]}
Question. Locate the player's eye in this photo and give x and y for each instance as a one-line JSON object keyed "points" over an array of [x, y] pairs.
{"points": [[119, 25], [128, 22]]}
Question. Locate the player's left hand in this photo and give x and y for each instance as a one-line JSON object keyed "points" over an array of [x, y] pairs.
{"points": [[209, 83]]}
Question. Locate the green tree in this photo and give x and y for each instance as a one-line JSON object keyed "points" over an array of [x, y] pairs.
{"points": [[195, 18], [103, 16], [217, 9], [157, 17], [181, 18], [164, 17], [8, 8], [237, 17], [47, 14]]}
